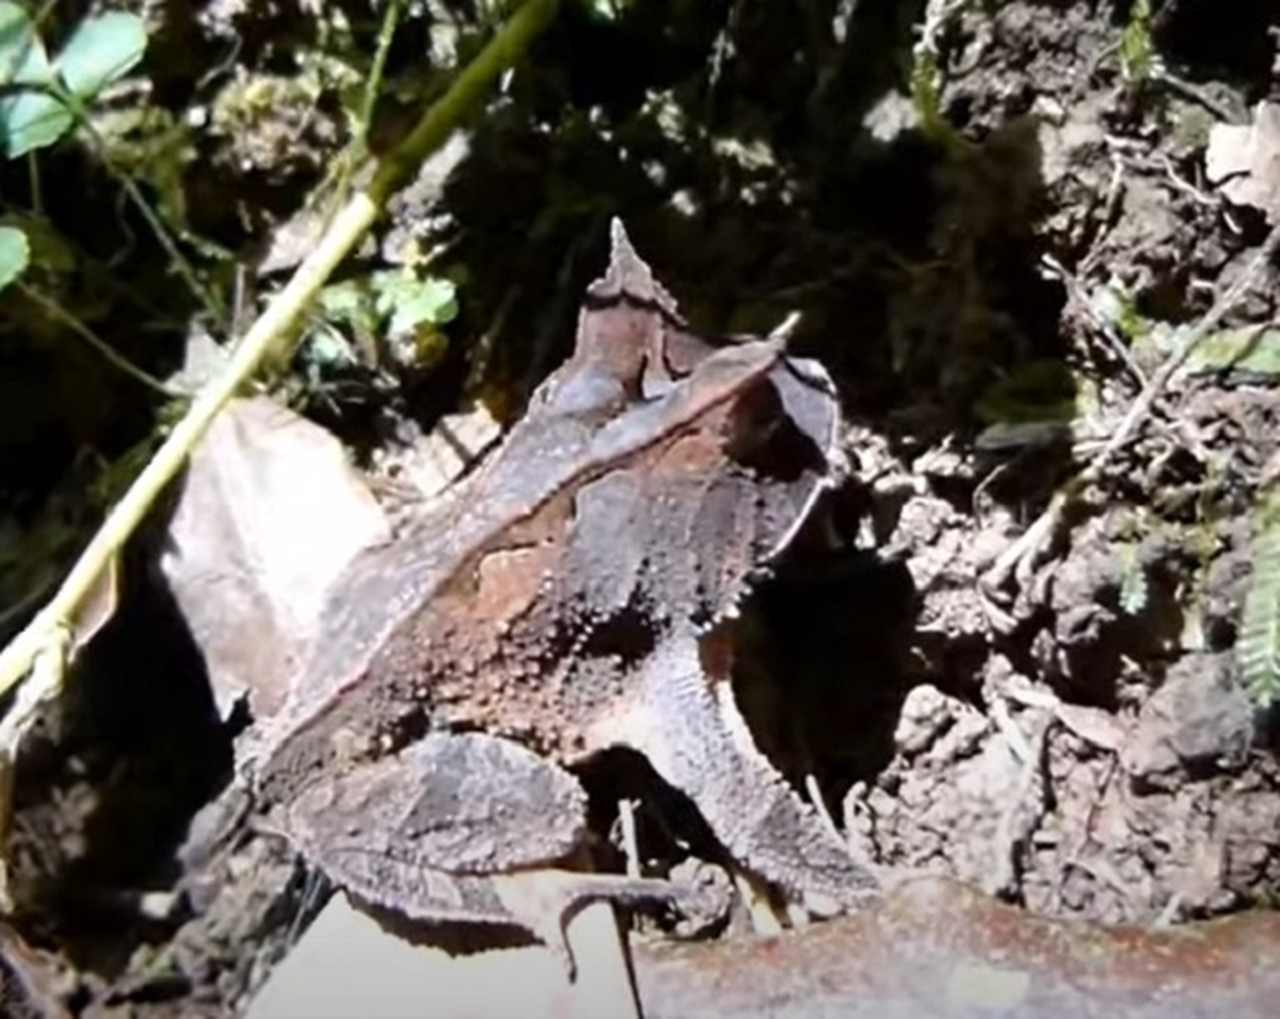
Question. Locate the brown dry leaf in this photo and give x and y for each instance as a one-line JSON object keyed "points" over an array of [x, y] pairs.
{"points": [[269, 514], [1245, 161], [941, 949]]}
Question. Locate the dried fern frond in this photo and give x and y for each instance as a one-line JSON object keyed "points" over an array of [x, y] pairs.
{"points": [[1258, 645], [1134, 589]]}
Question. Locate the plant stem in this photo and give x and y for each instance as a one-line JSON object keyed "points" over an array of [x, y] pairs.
{"points": [[374, 84], [186, 270], [54, 310]]}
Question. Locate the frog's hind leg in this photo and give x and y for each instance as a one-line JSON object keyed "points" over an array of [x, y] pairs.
{"points": [[462, 827]]}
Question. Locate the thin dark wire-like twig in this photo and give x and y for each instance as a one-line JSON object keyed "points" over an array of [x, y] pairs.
{"points": [[73, 323]]}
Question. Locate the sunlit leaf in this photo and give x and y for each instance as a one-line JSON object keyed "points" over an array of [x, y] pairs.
{"points": [[22, 55], [29, 119], [1251, 350], [14, 254], [412, 302], [101, 50]]}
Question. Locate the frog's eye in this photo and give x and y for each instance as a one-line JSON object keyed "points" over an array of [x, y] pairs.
{"points": [[590, 392]]}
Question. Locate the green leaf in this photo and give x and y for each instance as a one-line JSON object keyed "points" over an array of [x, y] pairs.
{"points": [[46, 247], [1252, 350], [1137, 51], [433, 302], [349, 303], [343, 300], [415, 302], [29, 119], [100, 51], [14, 254], [326, 349], [22, 55], [1258, 642]]}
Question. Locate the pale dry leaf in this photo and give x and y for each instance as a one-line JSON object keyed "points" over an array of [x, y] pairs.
{"points": [[1245, 161], [269, 514], [98, 607], [346, 964]]}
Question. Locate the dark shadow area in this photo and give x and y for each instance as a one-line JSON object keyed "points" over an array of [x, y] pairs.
{"points": [[819, 669], [101, 812], [1235, 43]]}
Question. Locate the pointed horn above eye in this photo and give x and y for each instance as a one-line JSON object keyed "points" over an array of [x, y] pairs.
{"points": [[627, 270], [629, 274], [620, 244]]}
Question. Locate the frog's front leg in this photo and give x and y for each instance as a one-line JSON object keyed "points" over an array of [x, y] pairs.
{"points": [[685, 723], [460, 827]]}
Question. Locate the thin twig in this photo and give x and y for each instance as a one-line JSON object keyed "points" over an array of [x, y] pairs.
{"points": [[1075, 292], [374, 85], [1196, 94], [1197, 196], [80, 117], [820, 804], [630, 844], [33, 182], [53, 310]]}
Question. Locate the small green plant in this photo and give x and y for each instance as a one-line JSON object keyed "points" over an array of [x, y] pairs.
{"points": [[1133, 325], [1258, 646], [926, 94], [1138, 60], [41, 101], [925, 76], [44, 97], [1251, 352], [406, 307], [40, 98]]}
